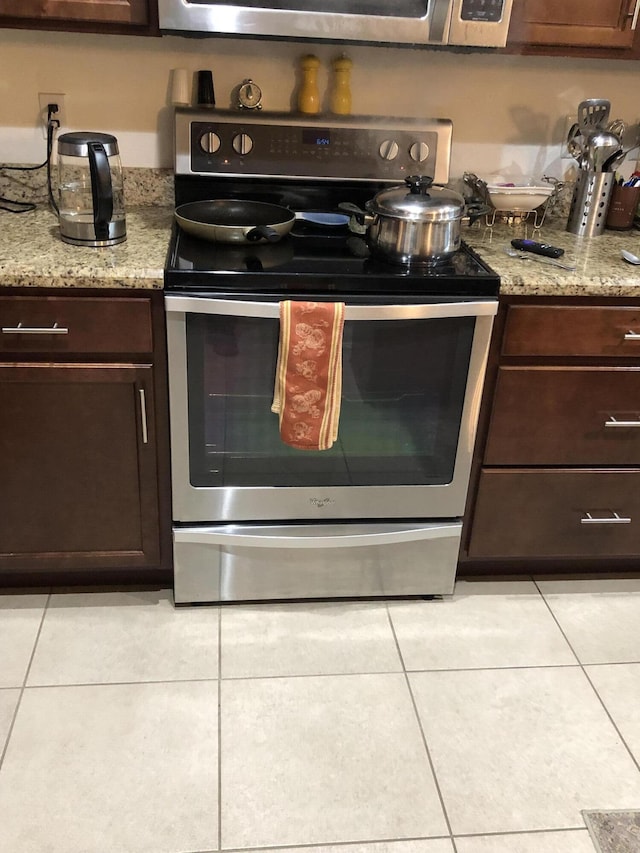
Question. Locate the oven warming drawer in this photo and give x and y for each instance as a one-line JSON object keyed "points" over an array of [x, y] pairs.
{"points": [[260, 562]]}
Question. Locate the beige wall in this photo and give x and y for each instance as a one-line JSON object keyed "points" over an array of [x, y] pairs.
{"points": [[508, 112]]}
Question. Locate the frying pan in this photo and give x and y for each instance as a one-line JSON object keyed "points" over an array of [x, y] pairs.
{"points": [[235, 220]]}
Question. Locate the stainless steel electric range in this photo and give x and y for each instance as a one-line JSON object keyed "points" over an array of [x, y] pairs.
{"points": [[380, 513]]}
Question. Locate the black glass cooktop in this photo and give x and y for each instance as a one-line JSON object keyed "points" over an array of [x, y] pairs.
{"points": [[329, 260]]}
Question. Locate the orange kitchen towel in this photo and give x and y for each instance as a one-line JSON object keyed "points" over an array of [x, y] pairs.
{"points": [[308, 384]]}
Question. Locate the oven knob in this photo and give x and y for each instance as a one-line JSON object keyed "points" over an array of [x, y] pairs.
{"points": [[242, 143], [419, 152], [388, 149], [210, 142]]}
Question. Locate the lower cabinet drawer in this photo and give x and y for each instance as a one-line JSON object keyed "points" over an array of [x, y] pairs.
{"points": [[580, 416], [72, 324], [556, 513], [572, 330]]}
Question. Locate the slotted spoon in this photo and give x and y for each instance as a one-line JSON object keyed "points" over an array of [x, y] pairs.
{"points": [[592, 114]]}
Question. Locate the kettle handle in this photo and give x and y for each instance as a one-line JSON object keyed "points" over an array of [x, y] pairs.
{"points": [[101, 189]]}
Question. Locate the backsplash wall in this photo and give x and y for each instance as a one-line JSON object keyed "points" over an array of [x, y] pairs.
{"points": [[508, 112]]}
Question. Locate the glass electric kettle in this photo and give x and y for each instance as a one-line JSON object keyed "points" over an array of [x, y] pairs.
{"points": [[90, 190]]}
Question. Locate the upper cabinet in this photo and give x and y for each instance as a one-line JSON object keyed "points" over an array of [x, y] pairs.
{"points": [[84, 15], [602, 25]]}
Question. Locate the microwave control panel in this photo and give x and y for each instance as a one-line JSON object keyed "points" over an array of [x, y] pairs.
{"points": [[482, 10]]}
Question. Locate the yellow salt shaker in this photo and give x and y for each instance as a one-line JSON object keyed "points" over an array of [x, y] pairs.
{"points": [[309, 96], [340, 101]]}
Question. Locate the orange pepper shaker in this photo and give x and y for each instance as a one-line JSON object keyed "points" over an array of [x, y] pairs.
{"points": [[341, 92], [309, 96]]}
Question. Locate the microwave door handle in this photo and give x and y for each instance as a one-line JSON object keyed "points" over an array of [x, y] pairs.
{"points": [[271, 310]]}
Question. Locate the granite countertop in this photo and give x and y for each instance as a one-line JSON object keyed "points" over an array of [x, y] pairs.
{"points": [[600, 270], [32, 255]]}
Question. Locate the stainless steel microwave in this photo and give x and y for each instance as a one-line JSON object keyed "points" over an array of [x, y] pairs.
{"points": [[477, 23]]}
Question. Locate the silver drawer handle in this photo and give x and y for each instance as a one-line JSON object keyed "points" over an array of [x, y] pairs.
{"points": [[632, 336], [613, 422], [143, 416], [633, 14], [612, 519], [34, 330]]}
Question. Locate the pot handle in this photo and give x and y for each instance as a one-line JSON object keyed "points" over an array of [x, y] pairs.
{"points": [[262, 232], [419, 184], [475, 212]]}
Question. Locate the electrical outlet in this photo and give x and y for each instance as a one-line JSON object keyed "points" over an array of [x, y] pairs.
{"points": [[46, 98], [569, 121]]}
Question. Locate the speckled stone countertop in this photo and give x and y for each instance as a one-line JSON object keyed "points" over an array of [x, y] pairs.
{"points": [[600, 270], [32, 255]]}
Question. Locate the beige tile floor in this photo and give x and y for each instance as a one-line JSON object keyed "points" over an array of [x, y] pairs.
{"points": [[481, 723]]}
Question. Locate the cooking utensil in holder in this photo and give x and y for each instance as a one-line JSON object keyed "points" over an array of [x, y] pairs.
{"points": [[590, 202]]}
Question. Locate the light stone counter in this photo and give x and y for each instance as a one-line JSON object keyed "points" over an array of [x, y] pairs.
{"points": [[33, 255], [600, 270]]}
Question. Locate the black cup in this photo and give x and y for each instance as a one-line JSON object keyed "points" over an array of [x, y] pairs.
{"points": [[206, 96]]}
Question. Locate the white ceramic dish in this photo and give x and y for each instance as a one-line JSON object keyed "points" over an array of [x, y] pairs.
{"points": [[518, 199]]}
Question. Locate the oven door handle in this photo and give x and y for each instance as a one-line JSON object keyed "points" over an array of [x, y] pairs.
{"points": [[271, 310], [274, 537]]}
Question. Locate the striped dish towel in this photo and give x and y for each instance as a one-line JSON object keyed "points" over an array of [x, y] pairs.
{"points": [[308, 385]]}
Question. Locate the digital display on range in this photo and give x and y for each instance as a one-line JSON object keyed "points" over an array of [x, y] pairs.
{"points": [[311, 136]]}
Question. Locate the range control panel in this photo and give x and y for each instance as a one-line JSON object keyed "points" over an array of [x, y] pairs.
{"points": [[282, 145]]}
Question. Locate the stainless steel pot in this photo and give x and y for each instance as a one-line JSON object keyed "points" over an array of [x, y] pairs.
{"points": [[417, 223]]}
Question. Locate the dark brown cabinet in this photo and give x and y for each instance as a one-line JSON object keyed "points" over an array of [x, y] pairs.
{"points": [[82, 436], [88, 15], [557, 479], [565, 416], [596, 24], [557, 513]]}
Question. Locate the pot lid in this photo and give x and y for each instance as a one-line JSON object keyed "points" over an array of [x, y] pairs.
{"points": [[419, 201]]}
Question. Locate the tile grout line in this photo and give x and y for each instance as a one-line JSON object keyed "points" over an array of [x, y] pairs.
{"points": [[380, 841], [24, 681], [591, 684], [298, 675], [421, 730], [314, 845]]}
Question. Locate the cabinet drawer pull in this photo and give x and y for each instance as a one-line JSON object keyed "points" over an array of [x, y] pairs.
{"points": [[634, 14], [613, 422], [34, 330], [614, 518], [143, 416], [632, 336]]}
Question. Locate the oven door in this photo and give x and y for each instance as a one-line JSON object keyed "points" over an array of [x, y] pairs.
{"points": [[411, 388]]}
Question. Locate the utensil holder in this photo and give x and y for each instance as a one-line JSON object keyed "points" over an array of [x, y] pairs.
{"points": [[622, 207], [590, 202]]}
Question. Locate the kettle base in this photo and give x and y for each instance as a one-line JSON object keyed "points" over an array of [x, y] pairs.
{"points": [[93, 243]]}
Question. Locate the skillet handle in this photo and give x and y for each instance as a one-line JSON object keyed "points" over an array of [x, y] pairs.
{"points": [[262, 232], [359, 214]]}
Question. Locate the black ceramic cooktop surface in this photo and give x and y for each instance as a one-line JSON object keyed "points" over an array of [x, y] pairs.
{"points": [[331, 260]]}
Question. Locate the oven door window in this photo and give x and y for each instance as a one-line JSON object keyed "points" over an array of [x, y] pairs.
{"points": [[403, 390]]}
